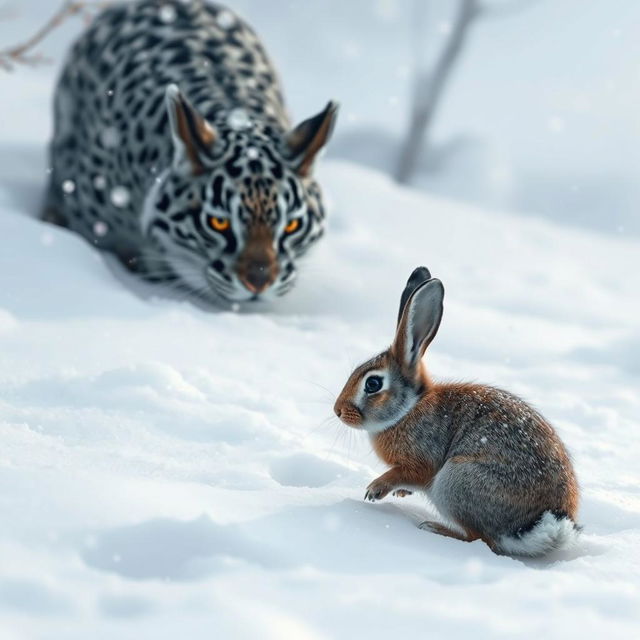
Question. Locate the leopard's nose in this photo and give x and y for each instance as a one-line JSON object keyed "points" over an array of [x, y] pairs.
{"points": [[258, 277]]}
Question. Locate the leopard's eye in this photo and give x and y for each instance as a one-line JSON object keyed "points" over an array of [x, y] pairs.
{"points": [[219, 224], [292, 226]]}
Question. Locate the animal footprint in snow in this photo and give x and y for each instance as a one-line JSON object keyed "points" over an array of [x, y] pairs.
{"points": [[305, 470]]}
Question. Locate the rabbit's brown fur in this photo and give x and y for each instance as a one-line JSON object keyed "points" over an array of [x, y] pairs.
{"points": [[493, 466]]}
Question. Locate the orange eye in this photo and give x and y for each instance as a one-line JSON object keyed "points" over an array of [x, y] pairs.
{"points": [[219, 224], [292, 226]]}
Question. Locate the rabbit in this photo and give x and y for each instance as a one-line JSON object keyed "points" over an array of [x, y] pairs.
{"points": [[491, 464]]}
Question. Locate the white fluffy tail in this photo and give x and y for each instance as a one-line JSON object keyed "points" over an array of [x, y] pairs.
{"points": [[549, 533]]}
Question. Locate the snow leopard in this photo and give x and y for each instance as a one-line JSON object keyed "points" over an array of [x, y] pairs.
{"points": [[172, 149]]}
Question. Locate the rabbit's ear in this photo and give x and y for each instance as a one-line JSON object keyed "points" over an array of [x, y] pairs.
{"points": [[419, 276], [419, 323]]}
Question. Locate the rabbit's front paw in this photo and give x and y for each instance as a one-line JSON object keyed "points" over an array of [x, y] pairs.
{"points": [[377, 490]]}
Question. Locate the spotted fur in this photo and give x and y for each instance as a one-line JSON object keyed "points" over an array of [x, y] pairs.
{"points": [[492, 465], [173, 150]]}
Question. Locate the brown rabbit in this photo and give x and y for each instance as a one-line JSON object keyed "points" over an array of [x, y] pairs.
{"points": [[490, 463]]}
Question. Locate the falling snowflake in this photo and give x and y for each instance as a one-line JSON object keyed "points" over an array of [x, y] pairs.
{"points": [[100, 182], [225, 20], [556, 124], [110, 92], [238, 119], [168, 13], [110, 137], [100, 228], [253, 153], [235, 307], [68, 186], [483, 439], [47, 239], [120, 196]]}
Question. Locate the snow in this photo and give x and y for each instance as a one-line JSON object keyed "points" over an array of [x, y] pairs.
{"points": [[69, 186], [167, 13], [120, 196], [168, 469], [173, 471], [239, 119]]}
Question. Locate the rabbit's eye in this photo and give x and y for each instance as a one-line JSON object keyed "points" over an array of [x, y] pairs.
{"points": [[373, 384]]}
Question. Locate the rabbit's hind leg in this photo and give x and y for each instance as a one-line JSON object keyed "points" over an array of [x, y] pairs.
{"points": [[442, 530], [464, 495]]}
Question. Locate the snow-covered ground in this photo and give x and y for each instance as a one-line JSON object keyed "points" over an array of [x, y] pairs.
{"points": [[168, 471]]}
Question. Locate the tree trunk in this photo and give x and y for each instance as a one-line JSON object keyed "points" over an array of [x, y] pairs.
{"points": [[429, 89]]}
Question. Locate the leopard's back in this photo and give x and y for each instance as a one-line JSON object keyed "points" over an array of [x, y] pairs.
{"points": [[111, 126]]}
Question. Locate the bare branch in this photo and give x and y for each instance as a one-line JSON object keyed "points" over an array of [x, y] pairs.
{"points": [[19, 54], [430, 85], [429, 89]]}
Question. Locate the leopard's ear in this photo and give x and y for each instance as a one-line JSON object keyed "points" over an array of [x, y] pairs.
{"points": [[193, 136], [305, 141]]}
